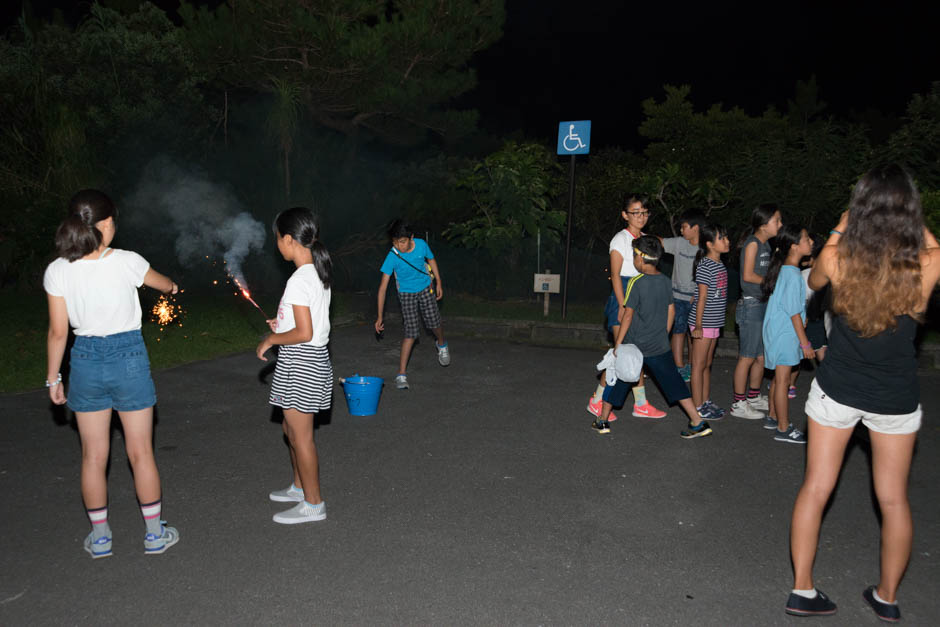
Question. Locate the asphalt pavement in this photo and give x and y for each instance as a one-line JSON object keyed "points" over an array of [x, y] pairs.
{"points": [[479, 496]]}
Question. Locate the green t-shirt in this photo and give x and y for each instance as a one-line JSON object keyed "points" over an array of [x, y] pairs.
{"points": [[650, 296]]}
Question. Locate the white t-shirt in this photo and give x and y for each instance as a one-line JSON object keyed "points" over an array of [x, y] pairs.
{"points": [[100, 294], [622, 242], [305, 288]]}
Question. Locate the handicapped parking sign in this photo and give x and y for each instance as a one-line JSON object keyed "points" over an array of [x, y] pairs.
{"points": [[574, 138]]}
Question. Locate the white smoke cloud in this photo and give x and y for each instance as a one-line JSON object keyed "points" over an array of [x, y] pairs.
{"points": [[205, 218]]}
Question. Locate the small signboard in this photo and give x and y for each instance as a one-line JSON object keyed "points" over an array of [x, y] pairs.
{"points": [[547, 283], [574, 138]]}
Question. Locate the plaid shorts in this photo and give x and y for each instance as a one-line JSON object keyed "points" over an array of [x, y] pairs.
{"points": [[412, 304]]}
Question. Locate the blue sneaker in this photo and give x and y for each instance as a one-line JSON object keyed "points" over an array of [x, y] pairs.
{"points": [[717, 411], [706, 412], [770, 423], [98, 548], [685, 372]]}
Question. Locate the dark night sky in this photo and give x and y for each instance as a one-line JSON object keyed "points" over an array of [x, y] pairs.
{"points": [[598, 60]]}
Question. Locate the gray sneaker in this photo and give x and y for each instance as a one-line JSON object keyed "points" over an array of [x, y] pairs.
{"points": [[742, 409], [443, 355], [770, 423], [301, 513], [287, 495], [154, 544], [98, 548], [791, 435], [401, 382]]}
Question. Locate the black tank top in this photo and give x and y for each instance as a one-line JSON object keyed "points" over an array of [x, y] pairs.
{"points": [[876, 374]]}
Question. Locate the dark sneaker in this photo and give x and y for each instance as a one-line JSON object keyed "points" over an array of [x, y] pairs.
{"points": [[601, 426], [685, 372], [717, 412], [770, 423], [888, 612], [791, 435], [696, 431], [821, 605]]}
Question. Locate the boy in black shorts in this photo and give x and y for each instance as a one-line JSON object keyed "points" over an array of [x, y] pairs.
{"points": [[646, 322], [414, 267]]}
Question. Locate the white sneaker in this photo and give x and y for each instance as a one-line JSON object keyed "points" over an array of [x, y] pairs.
{"points": [[443, 355], [301, 513], [287, 495], [743, 409], [759, 403], [401, 382]]}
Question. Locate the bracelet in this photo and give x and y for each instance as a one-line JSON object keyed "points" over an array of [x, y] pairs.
{"points": [[56, 382], [807, 345], [833, 231]]}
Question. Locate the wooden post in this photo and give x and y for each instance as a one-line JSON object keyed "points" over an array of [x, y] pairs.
{"points": [[545, 307]]}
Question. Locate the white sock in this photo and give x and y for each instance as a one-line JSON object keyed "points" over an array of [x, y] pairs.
{"points": [[874, 593], [807, 594], [598, 393]]}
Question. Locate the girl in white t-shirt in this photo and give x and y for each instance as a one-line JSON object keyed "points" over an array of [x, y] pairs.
{"points": [[94, 289], [636, 215], [303, 377]]}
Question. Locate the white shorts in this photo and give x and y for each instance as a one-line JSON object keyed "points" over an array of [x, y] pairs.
{"points": [[822, 409]]}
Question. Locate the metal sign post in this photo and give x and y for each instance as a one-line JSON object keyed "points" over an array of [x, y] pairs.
{"points": [[574, 138]]}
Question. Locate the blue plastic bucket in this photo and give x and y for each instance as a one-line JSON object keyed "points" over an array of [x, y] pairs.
{"points": [[362, 394]]}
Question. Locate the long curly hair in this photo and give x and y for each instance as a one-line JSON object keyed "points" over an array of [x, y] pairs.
{"points": [[879, 253]]}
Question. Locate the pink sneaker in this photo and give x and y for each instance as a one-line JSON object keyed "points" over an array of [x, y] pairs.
{"points": [[647, 411], [595, 408], [791, 393]]}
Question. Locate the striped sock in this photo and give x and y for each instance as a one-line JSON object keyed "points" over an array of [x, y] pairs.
{"points": [[151, 513], [739, 397], [752, 393], [99, 523]]}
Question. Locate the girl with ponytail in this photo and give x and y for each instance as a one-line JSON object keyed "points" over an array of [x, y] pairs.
{"points": [[784, 329], [303, 377], [93, 288]]}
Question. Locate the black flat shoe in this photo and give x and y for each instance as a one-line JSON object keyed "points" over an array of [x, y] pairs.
{"points": [[888, 612], [820, 605]]}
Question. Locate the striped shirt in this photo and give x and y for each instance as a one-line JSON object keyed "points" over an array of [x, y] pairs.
{"points": [[713, 275]]}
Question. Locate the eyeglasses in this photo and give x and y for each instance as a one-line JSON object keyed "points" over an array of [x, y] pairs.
{"points": [[642, 214]]}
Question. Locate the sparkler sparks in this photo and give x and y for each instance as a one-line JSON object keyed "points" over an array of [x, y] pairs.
{"points": [[247, 295], [165, 311]]}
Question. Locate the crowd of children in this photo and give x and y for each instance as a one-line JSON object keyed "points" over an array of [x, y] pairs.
{"points": [[773, 329]]}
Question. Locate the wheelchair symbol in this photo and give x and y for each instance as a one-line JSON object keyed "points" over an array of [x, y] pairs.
{"points": [[572, 140]]}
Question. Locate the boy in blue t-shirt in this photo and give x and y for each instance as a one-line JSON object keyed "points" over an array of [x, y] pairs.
{"points": [[647, 318], [413, 264]]}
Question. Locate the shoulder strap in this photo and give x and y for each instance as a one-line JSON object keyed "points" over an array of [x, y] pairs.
{"points": [[630, 286], [395, 250]]}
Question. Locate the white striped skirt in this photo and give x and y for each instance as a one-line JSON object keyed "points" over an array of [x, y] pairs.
{"points": [[303, 379]]}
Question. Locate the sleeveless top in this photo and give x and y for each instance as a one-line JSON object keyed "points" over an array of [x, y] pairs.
{"points": [[761, 263], [875, 374]]}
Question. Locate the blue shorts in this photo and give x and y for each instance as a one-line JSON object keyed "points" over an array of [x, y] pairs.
{"points": [[110, 372], [683, 308], [749, 315], [662, 369], [612, 308]]}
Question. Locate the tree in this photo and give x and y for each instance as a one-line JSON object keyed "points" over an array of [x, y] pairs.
{"points": [[916, 145], [388, 69], [282, 123], [512, 192]]}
